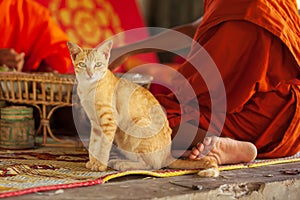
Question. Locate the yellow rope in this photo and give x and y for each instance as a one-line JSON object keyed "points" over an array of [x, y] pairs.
{"points": [[159, 174], [164, 173], [273, 162], [259, 163]]}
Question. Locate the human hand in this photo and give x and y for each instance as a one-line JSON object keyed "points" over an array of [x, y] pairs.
{"points": [[12, 59], [46, 68]]}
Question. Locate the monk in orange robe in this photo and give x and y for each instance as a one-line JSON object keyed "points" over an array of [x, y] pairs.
{"points": [[255, 47], [30, 39]]}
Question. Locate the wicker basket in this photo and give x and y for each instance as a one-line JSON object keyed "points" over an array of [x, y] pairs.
{"points": [[36, 88], [45, 91]]}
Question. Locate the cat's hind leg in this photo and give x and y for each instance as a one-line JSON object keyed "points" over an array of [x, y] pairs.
{"points": [[123, 165]]}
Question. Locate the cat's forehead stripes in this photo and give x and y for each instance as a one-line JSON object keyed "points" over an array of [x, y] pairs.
{"points": [[89, 55]]}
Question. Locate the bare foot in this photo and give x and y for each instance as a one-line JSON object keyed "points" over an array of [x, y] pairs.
{"points": [[225, 150]]}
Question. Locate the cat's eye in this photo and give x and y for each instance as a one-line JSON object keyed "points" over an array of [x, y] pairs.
{"points": [[98, 64], [82, 64]]}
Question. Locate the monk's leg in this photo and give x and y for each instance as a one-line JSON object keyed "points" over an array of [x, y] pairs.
{"points": [[224, 150]]}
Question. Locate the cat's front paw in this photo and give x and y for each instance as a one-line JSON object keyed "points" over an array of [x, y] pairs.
{"points": [[96, 166]]}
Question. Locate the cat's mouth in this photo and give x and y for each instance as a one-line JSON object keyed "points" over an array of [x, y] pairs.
{"points": [[85, 78], [89, 77], [93, 77]]}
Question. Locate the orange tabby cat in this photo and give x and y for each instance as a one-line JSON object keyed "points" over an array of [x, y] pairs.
{"points": [[126, 115]]}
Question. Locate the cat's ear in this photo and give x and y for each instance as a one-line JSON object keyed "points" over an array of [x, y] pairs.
{"points": [[74, 49], [105, 48]]}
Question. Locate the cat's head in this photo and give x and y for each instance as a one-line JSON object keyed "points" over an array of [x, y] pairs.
{"points": [[90, 63]]}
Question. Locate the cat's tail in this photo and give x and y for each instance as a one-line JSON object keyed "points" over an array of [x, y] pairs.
{"points": [[207, 166]]}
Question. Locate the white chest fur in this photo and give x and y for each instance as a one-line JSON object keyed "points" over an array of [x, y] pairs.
{"points": [[87, 94]]}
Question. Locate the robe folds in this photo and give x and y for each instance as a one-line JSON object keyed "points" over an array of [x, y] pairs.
{"points": [[255, 45], [27, 26]]}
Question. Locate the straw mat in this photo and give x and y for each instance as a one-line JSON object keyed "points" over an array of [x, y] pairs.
{"points": [[23, 172]]}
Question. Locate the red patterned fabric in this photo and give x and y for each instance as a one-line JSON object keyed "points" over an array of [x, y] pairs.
{"points": [[89, 22]]}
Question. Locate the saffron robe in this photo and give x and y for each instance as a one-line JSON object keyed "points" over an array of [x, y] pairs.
{"points": [[27, 26], [256, 48]]}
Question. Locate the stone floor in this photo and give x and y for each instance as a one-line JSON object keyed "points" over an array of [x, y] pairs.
{"points": [[270, 182]]}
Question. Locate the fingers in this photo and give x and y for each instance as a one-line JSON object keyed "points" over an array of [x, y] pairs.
{"points": [[12, 59], [20, 61]]}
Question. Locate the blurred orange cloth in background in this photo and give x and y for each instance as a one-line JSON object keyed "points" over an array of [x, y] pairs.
{"points": [[27, 27], [256, 48], [90, 22]]}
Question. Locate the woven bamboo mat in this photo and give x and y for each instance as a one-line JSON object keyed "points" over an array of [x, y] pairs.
{"points": [[23, 172]]}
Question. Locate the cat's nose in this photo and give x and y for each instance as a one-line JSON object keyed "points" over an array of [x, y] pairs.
{"points": [[90, 73]]}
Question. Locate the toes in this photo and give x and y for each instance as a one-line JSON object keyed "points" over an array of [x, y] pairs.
{"points": [[207, 141], [194, 153], [200, 147]]}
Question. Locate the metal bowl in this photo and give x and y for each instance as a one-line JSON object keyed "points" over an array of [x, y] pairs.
{"points": [[141, 79]]}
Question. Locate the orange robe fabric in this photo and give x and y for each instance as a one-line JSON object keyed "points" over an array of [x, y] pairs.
{"points": [[256, 48], [27, 27]]}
